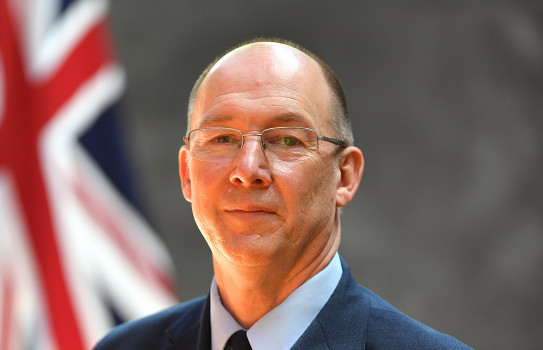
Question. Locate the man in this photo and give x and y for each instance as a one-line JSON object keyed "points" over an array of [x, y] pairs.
{"points": [[268, 163]]}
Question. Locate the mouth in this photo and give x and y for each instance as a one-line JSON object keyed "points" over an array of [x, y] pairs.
{"points": [[249, 212], [248, 207]]}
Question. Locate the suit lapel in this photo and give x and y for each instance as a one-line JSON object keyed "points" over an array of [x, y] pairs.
{"points": [[192, 331], [313, 338], [342, 322], [204, 335]]}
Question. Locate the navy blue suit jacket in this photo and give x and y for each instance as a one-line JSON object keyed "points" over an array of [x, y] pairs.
{"points": [[353, 318]]}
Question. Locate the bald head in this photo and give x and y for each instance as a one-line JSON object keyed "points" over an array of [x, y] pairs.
{"points": [[258, 61], [276, 63]]}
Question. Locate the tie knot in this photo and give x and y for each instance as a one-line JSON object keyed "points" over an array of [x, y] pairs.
{"points": [[238, 341]]}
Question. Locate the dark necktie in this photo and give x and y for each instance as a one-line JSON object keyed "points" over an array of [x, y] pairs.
{"points": [[238, 341]]}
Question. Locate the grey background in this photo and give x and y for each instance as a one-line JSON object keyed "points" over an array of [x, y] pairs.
{"points": [[446, 104]]}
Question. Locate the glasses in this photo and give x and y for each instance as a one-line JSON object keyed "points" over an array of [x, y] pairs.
{"points": [[283, 143]]}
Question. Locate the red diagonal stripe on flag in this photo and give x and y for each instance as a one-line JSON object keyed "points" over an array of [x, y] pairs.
{"points": [[28, 109]]}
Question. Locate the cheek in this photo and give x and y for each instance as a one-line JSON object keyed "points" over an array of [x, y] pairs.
{"points": [[206, 175], [307, 184], [206, 186]]}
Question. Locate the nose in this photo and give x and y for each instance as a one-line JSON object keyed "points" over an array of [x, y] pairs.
{"points": [[251, 167]]}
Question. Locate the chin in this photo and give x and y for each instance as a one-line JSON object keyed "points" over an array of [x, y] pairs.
{"points": [[250, 250]]}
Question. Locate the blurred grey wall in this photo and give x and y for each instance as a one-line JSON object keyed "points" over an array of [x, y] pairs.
{"points": [[446, 100]]}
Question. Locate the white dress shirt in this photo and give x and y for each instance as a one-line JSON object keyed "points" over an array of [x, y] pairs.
{"points": [[281, 327]]}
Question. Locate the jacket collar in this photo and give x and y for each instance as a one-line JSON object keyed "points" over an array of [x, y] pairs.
{"points": [[328, 331], [193, 330]]}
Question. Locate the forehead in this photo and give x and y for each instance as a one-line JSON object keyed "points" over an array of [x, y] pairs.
{"points": [[264, 77]]}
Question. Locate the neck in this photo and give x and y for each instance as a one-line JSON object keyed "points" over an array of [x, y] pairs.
{"points": [[249, 293]]}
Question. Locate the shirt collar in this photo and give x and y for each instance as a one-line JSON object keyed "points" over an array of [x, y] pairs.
{"points": [[223, 325], [281, 327]]}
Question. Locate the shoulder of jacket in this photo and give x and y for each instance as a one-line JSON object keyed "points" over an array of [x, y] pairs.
{"points": [[150, 328]]}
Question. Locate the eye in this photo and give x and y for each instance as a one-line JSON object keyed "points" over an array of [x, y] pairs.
{"points": [[282, 140], [225, 139], [222, 139], [287, 138], [289, 141]]}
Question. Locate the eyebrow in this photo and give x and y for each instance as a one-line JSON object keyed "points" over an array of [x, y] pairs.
{"points": [[289, 117], [208, 119], [282, 118]]}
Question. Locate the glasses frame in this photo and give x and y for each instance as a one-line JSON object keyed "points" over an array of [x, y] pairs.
{"points": [[334, 141], [319, 137]]}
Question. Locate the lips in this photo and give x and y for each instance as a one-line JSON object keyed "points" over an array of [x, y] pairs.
{"points": [[249, 211]]}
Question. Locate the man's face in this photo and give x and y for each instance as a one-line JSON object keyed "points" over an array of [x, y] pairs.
{"points": [[255, 210]]}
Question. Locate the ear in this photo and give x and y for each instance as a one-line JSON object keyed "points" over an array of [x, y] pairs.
{"points": [[184, 172], [351, 167]]}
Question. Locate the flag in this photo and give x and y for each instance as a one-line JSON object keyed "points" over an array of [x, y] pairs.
{"points": [[76, 256]]}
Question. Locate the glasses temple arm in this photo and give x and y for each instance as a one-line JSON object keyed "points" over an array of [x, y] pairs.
{"points": [[334, 141]]}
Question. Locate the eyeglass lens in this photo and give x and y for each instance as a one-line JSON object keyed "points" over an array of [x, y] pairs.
{"points": [[223, 144]]}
